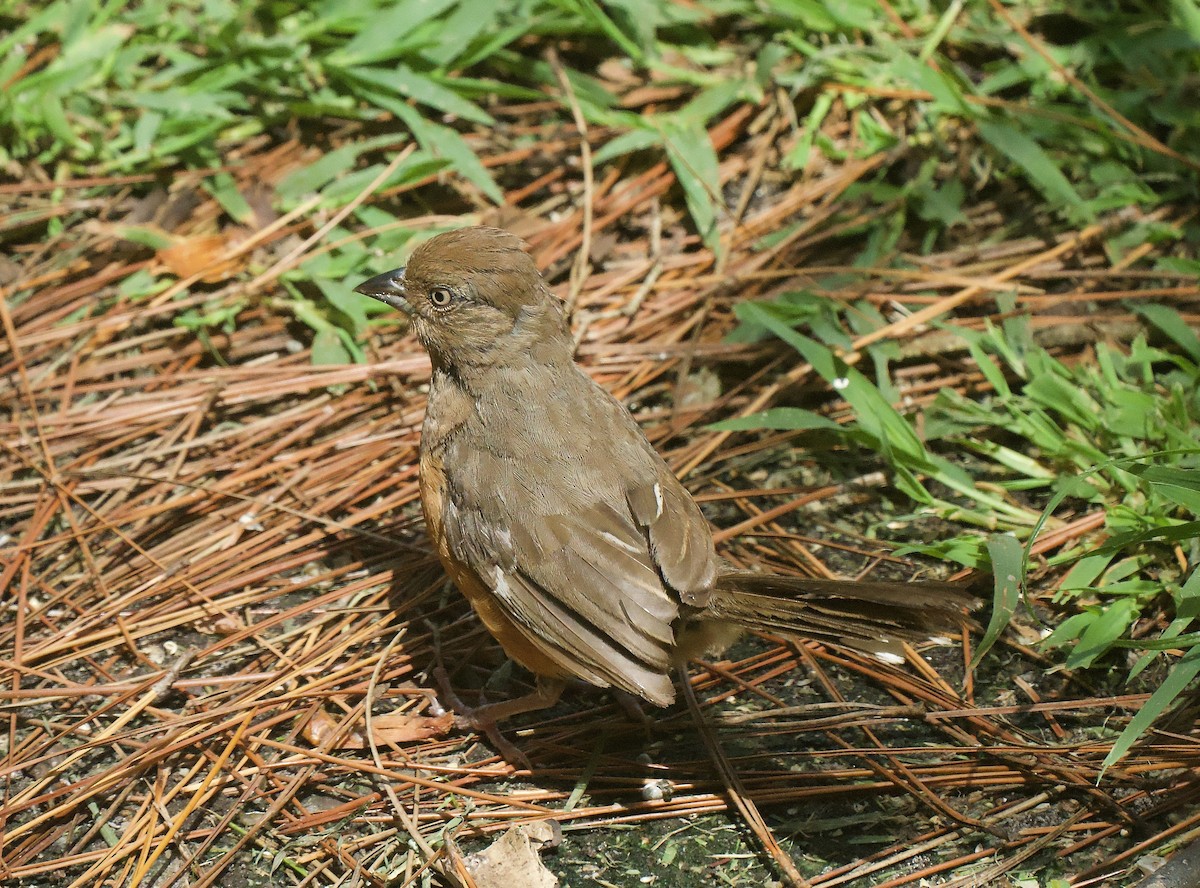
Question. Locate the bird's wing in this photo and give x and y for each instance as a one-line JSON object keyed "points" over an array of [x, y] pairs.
{"points": [[583, 587], [681, 541]]}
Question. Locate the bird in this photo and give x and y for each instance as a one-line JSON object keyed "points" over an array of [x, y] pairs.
{"points": [[579, 549]]}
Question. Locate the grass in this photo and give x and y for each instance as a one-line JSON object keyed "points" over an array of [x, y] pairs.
{"points": [[1089, 109], [1114, 436], [972, 222]]}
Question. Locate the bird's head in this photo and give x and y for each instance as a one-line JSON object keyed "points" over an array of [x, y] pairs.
{"points": [[475, 298]]}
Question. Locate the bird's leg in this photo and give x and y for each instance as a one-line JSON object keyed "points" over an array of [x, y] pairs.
{"points": [[632, 707], [485, 718]]}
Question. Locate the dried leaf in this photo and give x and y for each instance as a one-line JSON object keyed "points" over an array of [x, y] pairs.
{"points": [[511, 860], [203, 255], [387, 730], [322, 728], [403, 727]]}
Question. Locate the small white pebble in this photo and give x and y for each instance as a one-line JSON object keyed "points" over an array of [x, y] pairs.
{"points": [[657, 790]]}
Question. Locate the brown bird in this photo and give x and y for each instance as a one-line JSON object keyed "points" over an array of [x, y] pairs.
{"points": [[577, 546]]}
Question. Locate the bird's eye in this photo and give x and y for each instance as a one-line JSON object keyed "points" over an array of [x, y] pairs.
{"points": [[440, 297]]}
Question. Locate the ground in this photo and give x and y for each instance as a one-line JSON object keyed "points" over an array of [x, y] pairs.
{"points": [[222, 614]]}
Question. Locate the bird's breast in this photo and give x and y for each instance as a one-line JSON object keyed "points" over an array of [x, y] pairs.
{"points": [[434, 498]]}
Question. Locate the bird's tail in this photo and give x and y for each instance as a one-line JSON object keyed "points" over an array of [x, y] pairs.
{"points": [[871, 616]]}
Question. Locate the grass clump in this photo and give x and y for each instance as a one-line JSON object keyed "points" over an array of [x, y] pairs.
{"points": [[1053, 440]]}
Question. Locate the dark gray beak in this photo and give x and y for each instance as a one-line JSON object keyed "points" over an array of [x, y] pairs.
{"points": [[387, 288]]}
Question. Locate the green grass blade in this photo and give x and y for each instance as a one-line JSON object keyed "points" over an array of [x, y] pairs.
{"points": [[876, 416], [1177, 682], [1037, 164], [1004, 551], [695, 164], [1172, 325], [785, 418]]}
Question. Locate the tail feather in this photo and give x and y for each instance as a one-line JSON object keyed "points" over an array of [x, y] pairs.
{"points": [[872, 616]]}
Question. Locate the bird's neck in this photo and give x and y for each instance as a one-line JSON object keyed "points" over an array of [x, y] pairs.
{"points": [[539, 364], [450, 405], [539, 341]]}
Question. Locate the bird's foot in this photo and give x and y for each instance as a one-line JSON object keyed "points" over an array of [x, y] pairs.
{"points": [[486, 717]]}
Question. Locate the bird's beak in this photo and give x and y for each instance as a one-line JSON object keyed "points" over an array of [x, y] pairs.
{"points": [[387, 288]]}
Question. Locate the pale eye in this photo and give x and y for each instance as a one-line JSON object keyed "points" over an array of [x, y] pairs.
{"points": [[440, 297]]}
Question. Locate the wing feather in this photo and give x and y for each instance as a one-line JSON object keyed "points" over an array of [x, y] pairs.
{"points": [[587, 600]]}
